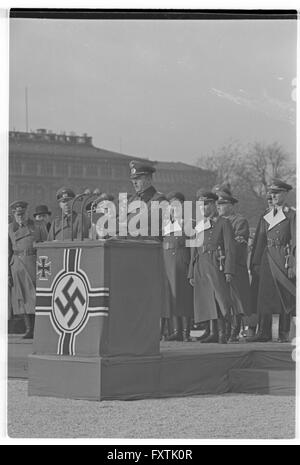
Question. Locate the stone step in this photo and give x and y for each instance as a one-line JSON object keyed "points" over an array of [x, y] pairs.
{"points": [[260, 381]]}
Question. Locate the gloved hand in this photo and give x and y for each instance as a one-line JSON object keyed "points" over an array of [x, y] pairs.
{"points": [[228, 277], [291, 273]]}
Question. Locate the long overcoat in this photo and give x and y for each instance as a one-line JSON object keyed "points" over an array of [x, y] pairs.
{"points": [[240, 284], [148, 196], [274, 252], [209, 263], [176, 257], [22, 262], [60, 228]]}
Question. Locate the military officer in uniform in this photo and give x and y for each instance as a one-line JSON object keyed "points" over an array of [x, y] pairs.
{"points": [[240, 285], [23, 233], [61, 225], [176, 260], [212, 267], [141, 177], [252, 318], [274, 261], [141, 173]]}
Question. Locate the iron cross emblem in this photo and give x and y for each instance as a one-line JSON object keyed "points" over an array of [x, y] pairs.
{"points": [[43, 268]]}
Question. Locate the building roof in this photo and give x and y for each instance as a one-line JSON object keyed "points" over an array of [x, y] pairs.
{"points": [[45, 143], [176, 166]]}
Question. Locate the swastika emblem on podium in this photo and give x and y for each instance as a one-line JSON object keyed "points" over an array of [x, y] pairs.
{"points": [[71, 301]]}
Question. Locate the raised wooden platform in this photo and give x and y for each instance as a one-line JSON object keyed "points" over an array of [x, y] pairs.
{"points": [[182, 369]]}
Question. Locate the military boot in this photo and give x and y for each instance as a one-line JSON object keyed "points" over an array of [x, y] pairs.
{"points": [[213, 333], [186, 323], [29, 326], [206, 332], [222, 337], [177, 334], [235, 329]]}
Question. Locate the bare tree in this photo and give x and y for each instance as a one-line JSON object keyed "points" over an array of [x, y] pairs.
{"points": [[250, 168], [225, 163], [262, 164]]}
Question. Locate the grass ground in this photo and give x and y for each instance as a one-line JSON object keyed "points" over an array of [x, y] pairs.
{"points": [[231, 416]]}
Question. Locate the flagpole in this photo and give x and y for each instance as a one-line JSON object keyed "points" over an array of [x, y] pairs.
{"points": [[26, 107]]}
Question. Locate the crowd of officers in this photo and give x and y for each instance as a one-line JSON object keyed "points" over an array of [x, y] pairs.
{"points": [[221, 284]]}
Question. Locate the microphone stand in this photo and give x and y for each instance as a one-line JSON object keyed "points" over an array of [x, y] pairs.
{"points": [[76, 198], [62, 223], [84, 203], [92, 207]]}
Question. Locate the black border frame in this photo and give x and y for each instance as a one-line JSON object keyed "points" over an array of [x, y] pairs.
{"points": [[151, 14]]}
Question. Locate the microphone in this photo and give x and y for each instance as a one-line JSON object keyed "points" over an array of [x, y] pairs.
{"points": [[76, 198], [84, 203]]}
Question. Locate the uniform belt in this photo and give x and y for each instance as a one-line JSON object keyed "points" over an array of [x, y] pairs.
{"points": [[275, 243], [25, 252], [207, 248]]}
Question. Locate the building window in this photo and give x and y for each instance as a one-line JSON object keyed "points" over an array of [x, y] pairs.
{"points": [[76, 169], [30, 167], [61, 168], [105, 170], [91, 170], [15, 166], [24, 191], [118, 172], [46, 168]]}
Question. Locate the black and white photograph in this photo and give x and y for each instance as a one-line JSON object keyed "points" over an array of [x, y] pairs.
{"points": [[151, 202]]}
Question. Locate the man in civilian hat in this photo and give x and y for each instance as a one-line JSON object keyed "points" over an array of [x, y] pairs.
{"points": [[212, 267], [240, 285], [61, 228], [141, 176], [42, 214], [22, 234], [273, 260]]}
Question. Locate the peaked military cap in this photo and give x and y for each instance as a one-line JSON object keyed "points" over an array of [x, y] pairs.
{"points": [[206, 196], [64, 194], [225, 197], [41, 210], [138, 168], [222, 188], [18, 206], [175, 195], [277, 185], [105, 196]]}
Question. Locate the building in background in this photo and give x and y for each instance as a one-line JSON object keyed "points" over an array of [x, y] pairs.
{"points": [[40, 162]]}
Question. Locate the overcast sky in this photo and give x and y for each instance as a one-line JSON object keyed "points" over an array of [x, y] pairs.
{"points": [[167, 90]]}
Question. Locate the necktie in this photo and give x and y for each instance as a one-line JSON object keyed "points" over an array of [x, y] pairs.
{"points": [[275, 211]]}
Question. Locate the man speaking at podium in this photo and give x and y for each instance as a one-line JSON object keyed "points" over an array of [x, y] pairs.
{"points": [[61, 225], [141, 177]]}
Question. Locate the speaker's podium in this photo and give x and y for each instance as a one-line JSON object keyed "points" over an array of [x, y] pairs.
{"points": [[98, 307]]}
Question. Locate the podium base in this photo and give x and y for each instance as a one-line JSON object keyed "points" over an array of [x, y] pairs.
{"points": [[183, 369], [93, 378]]}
